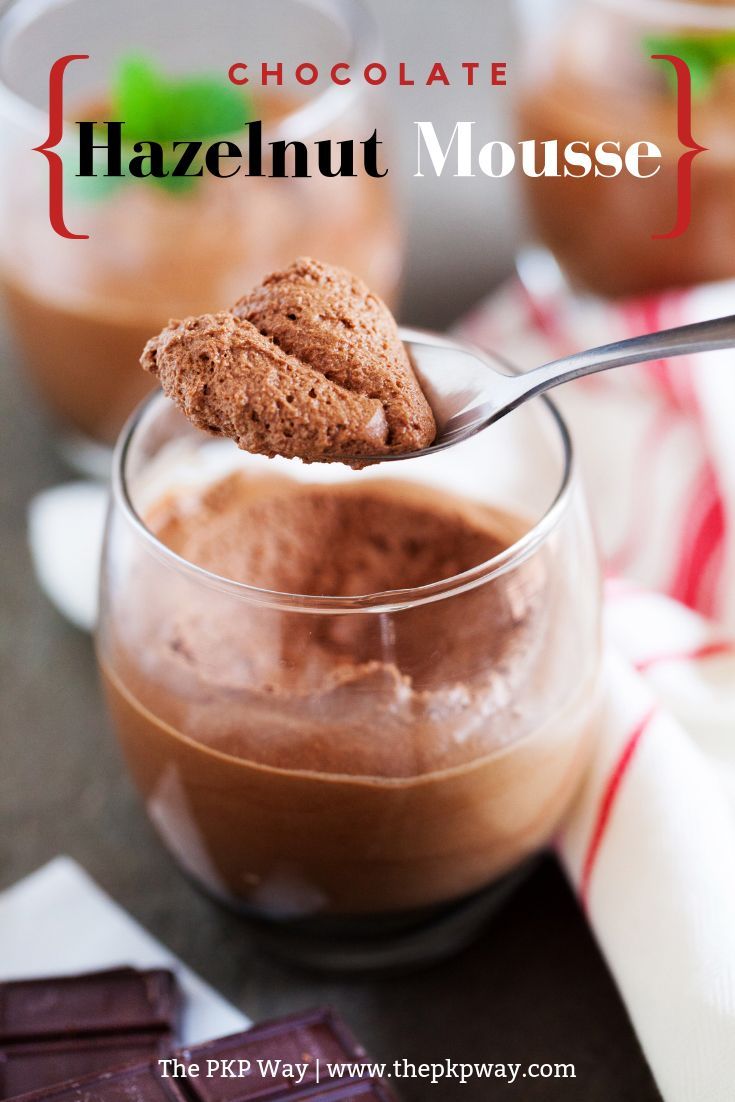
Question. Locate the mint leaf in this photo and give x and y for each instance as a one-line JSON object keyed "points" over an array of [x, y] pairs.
{"points": [[163, 109], [139, 100], [705, 54], [158, 108]]}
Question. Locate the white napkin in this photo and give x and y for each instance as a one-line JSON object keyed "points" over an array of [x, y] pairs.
{"points": [[58, 921], [650, 843], [65, 529]]}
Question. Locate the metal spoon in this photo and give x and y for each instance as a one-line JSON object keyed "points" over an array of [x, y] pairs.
{"points": [[468, 391]]}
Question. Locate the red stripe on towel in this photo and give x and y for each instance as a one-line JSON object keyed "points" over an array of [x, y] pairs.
{"points": [[701, 541], [698, 574], [707, 650], [673, 378], [607, 803], [642, 492], [544, 317]]}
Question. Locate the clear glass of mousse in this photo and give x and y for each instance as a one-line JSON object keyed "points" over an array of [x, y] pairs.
{"points": [[81, 310], [355, 703], [589, 76]]}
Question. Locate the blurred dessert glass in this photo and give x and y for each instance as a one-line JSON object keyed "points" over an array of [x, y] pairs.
{"points": [[589, 76], [81, 311], [355, 703]]}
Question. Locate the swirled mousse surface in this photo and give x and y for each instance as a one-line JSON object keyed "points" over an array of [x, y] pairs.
{"points": [[309, 365], [399, 695], [360, 763]]}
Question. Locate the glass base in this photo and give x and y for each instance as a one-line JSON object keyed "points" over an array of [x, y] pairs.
{"points": [[86, 457], [540, 274], [386, 942]]}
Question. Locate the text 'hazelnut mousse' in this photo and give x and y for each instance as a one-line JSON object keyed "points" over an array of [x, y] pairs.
{"points": [[309, 364]]}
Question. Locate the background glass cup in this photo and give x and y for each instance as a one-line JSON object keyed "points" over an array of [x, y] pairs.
{"points": [[358, 826], [588, 75], [81, 311]]}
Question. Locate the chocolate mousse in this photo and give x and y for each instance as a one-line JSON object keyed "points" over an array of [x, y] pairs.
{"points": [[348, 760], [606, 232], [308, 364], [445, 665]]}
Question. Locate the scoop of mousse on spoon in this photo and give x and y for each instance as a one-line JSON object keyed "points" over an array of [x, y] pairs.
{"points": [[311, 364]]}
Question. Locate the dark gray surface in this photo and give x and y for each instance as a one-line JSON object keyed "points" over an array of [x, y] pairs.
{"points": [[533, 987]]}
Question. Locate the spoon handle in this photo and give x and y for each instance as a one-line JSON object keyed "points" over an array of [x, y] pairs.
{"points": [[702, 336]]}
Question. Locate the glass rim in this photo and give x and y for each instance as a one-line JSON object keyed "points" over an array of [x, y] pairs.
{"points": [[385, 601], [316, 112], [683, 12]]}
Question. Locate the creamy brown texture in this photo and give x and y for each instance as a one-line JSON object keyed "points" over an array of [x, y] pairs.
{"points": [[300, 763], [309, 364], [81, 311], [329, 319], [230, 380]]}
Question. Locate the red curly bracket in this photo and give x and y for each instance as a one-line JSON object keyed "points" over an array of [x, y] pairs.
{"points": [[56, 132], [692, 148]]}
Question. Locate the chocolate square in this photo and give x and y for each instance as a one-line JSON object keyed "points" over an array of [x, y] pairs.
{"points": [[27, 1067], [69, 1027], [136, 1084], [95, 1002], [297, 1039], [301, 1038]]}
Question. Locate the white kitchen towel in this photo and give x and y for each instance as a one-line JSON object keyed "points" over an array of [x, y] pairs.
{"points": [[58, 921], [655, 441], [650, 843]]}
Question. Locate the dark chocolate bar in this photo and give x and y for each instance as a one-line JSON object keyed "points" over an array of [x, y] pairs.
{"points": [[61, 1028], [299, 1038], [26, 1067], [353, 1090], [120, 999], [141, 1083], [361, 1090], [260, 1067]]}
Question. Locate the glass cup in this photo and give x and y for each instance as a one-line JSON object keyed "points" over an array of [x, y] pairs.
{"points": [[363, 774], [81, 311], [588, 75]]}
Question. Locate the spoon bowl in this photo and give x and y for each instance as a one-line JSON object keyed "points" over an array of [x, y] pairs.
{"points": [[468, 389]]}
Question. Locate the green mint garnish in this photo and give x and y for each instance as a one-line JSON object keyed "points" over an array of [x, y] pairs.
{"points": [[158, 108], [705, 54]]}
